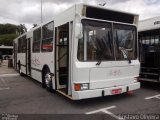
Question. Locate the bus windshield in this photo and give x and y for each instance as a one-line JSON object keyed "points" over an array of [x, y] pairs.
{"points": [[100, 42], [125, 41]]}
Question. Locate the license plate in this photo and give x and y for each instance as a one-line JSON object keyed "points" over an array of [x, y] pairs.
{"points": [[116, 91]]}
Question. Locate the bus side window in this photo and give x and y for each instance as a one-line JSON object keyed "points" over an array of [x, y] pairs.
{"points": [[23, 44], [36, 40], [47, 37]]}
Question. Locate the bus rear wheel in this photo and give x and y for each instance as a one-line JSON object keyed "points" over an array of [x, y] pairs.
{"points": [[6, 57], [19, 69], [48, 80]]}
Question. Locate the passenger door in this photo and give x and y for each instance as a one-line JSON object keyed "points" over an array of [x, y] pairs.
{"points": [[62, 57]]}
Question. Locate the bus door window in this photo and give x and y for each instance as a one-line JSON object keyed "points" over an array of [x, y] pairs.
{"points": [[63, 62]]}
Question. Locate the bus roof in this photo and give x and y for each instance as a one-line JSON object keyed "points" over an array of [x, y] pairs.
{"points": [[82, 4], [105, 8], [149, 24], [76, 6], [87, 5]]}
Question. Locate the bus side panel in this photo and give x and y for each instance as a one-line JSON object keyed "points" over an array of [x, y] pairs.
{"points": [[38, 61]]}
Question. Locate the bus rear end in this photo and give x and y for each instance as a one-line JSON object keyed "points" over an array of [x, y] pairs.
{"points": [[106, 62]]}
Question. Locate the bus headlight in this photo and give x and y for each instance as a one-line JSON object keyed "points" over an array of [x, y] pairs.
{"points": [[82, 86]]}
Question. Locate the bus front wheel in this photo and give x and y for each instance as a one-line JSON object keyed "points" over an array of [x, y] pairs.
{"points": [[48, 80]]}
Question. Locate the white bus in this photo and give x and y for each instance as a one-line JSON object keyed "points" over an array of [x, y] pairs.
{"points": [[85, 52], [149, 49], [6, 52]]}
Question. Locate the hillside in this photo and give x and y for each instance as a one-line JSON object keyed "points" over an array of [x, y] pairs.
{"points": [[7, 39], [8, 32]]}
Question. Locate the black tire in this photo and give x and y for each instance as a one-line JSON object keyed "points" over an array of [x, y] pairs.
{"points": [[47, 80]]}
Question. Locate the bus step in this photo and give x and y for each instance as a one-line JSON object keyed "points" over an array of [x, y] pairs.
{"points": [[150, 68], [149, 76], [149, 80], [145, 73]]}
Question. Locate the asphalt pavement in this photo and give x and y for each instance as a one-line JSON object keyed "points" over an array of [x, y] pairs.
{"points": [[26, 98], [5, 70]]}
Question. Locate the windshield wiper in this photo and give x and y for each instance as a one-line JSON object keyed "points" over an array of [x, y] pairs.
{"points": [[100, 58], [103, 51], [122, 49], [125, 54]]}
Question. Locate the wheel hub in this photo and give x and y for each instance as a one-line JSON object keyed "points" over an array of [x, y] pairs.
{"points": [[47, 79]]}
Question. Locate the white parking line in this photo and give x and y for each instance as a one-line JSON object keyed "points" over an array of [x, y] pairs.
{"points": [[105, 110], [155, 96], [5, 86], [100, 110], [9, 75]]}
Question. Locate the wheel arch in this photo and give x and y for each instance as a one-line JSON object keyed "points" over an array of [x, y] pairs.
{"points": [[5, 57]]}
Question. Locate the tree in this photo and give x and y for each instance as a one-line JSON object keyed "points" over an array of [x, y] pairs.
{"points": [[21, 29], [7, 39], [7, 28], [34, 25], [8, 32]]}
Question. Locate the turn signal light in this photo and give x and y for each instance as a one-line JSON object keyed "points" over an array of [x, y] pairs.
{"points": [[77, 87], [80, 87]]}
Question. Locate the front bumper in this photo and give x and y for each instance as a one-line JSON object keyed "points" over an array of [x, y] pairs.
{"points": [[77, 95]]}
